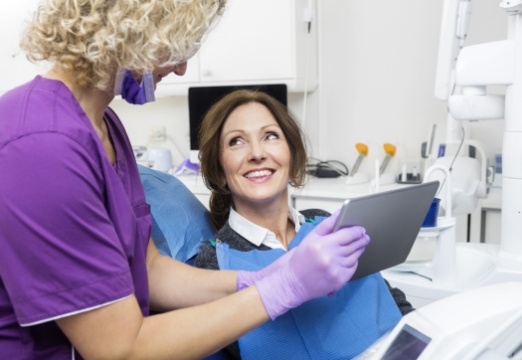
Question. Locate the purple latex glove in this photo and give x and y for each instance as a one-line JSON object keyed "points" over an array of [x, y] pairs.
{"points": [[320, 265], [248, 278]]}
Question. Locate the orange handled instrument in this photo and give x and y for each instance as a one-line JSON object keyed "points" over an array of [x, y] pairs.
{"points": [[390, 150], [362, 149]]}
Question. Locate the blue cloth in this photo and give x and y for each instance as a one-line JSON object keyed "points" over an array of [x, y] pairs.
{"points": [[338, 327], [180, 222]]}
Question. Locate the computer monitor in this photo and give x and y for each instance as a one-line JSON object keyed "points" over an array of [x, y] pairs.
{"points": [[201, 98]]}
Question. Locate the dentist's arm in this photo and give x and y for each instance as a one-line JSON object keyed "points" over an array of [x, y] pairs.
{"points": [[323, 263], [174, 284]]}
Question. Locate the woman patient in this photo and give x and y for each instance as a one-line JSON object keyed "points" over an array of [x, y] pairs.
{"points": [[251, 149]]}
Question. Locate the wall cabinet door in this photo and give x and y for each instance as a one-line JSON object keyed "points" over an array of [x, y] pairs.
{"points": [[256, 41], [253, 41]]}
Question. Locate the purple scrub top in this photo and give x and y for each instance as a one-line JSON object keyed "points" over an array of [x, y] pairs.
{"points": [[74, 228]]}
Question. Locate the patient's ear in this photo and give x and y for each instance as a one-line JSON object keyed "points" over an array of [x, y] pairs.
{"points": [[224, 189]]}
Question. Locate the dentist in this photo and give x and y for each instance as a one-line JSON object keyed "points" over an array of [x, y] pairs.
{"points": [[78, 271]]}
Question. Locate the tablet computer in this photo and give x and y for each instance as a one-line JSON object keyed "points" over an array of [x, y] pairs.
{"points": [[392, 219]]}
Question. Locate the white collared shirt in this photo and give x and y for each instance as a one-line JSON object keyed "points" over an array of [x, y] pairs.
{"points": [[258, 235]]}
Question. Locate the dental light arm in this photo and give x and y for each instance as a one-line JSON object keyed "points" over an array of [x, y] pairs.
{"points": [[454, 29], [463, 84], [477, 66]]}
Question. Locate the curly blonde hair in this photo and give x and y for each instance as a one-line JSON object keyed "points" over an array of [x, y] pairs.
{"points": [[94, 38]]}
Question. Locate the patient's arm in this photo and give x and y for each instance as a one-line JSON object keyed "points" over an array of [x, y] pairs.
{"points": [[400, 299], [207, 258]]}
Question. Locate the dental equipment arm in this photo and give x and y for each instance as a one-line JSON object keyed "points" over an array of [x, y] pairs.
{"points": [[467, 98], [477, 66], [454, 29]]}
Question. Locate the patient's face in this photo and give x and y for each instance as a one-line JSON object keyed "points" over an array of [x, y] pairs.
{"points": [[255, 157]]}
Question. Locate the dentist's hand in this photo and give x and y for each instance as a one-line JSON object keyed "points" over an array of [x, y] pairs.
{"points": [[320, 265], [248, 278]]}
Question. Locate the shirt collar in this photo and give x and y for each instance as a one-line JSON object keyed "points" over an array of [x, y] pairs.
{"points": [[259, 235]]}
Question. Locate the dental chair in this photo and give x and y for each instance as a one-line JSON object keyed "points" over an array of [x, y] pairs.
{"points": [[178, 214]]}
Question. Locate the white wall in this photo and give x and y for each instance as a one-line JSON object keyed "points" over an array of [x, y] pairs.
{"points": [[377, 70], [172, 113], [379, 61], [377, 65]]}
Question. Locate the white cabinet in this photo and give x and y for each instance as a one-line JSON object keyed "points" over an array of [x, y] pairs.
{"points": [[256, 41]]}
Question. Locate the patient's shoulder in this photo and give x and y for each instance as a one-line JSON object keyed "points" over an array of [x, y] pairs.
{"points": [[206, 257], [311, 213], [229, 236]]}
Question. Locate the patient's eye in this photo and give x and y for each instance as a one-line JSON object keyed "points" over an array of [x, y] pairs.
{"points": [[272, 136], [235, 141]]}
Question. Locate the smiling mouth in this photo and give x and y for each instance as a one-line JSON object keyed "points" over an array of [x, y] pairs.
{"points": [[258, 174]]}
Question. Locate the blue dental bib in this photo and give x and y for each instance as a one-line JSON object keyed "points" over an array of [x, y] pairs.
{"points": [[337, 327]]}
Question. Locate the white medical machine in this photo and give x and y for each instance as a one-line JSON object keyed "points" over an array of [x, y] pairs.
{"points": [[463, 75], [480, 324], [476, 68]]}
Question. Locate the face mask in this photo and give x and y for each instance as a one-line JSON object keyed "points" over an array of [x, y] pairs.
{"points": [[131, 91]]}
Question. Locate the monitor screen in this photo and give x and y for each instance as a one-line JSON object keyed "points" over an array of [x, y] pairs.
{"points": [[200, 99], [408, 345]]}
